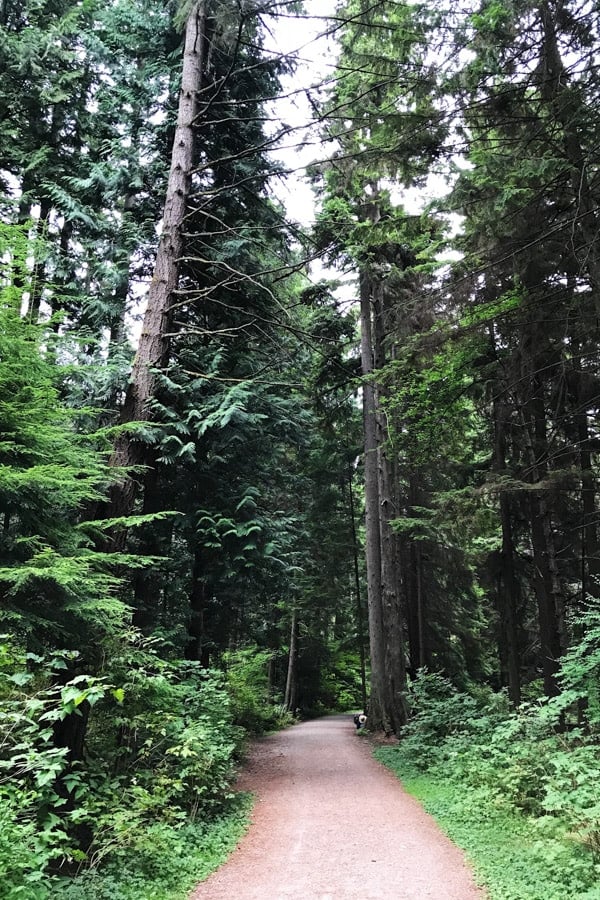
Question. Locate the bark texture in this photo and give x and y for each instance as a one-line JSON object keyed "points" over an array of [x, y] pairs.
{"points": [[153, 349], [291, 684], [387, 706], [372, 535], [550, 601]]}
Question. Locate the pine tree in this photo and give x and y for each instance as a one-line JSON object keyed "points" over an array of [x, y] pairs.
{"points": [[79, 86], [527, 226], [374, 117]]}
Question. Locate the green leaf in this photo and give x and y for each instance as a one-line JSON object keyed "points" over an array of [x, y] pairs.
{"points": [[20, 678]]}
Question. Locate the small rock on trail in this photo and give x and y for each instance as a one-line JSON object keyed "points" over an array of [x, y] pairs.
{"points": [[331, 823]]}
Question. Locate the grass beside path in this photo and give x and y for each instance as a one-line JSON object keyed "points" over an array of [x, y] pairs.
{"points": [[513, 857]]}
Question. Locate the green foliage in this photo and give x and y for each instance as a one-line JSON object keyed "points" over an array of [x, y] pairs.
{"points": [[50, 574], [341, 687], [570, 792], [246, 672], [498, 780], [171, 742], [79, 86], [35, 776], [254, 441], [580, 668], [169, 860], [22, 872], [513, 858], [161, 744], [142, 757]]}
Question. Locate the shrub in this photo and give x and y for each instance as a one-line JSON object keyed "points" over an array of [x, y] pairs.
{"points": [[246, 672], [571, 791], [169, 860], [160, 749], [486, 769]]}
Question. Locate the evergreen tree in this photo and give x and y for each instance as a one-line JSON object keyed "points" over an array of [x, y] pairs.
{"points": [[79, 88], [525, 226], [374, 117]]}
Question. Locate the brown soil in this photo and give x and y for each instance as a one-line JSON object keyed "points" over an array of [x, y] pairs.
{"points": [[331, 823]]}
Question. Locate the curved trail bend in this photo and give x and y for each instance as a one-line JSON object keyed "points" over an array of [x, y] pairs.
{"points": [[331, 823]]}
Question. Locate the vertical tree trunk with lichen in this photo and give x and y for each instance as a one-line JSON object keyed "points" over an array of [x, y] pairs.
{"points": [[391, 602], [377, 705], [387, 709], [291, 684], [153, 349]]}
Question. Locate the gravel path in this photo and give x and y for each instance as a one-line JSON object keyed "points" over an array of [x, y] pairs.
{"points": [[331, 823]]}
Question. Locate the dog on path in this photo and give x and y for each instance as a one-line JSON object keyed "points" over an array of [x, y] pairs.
{"points": [[360, 720]]}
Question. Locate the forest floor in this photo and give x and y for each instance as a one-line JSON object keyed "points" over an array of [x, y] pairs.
{"points": [[331, 823]]}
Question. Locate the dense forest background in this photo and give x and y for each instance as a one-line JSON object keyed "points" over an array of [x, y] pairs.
{"points": [[230, 493]]}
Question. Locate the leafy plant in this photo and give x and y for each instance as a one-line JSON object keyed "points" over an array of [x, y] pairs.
{"points": [[246, 671], [511, 787]]}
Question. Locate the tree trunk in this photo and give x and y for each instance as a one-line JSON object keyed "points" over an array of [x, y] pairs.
{"points": [[424, 659], [416, 614], [359, 608], [377, 704], [39, 268], [395, 663], [409, 560], [70, 732], [507, 596], [508, 585], [153, 349], [196, 648], [395, 671], [590, 549], [154, 539], [291, 684], [271, 676], [546, 581]]}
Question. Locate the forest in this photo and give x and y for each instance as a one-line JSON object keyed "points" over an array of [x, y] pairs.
{"points": [[234, 492]]}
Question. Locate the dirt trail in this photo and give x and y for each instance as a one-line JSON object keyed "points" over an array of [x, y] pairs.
{"points": [[331, 823]]}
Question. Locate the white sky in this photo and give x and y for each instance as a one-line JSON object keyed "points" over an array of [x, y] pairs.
{"points": [[304, 38]]}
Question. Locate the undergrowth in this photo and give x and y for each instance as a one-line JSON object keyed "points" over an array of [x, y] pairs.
{"points": [[148, 810], [168, 861], [516, 793]]}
